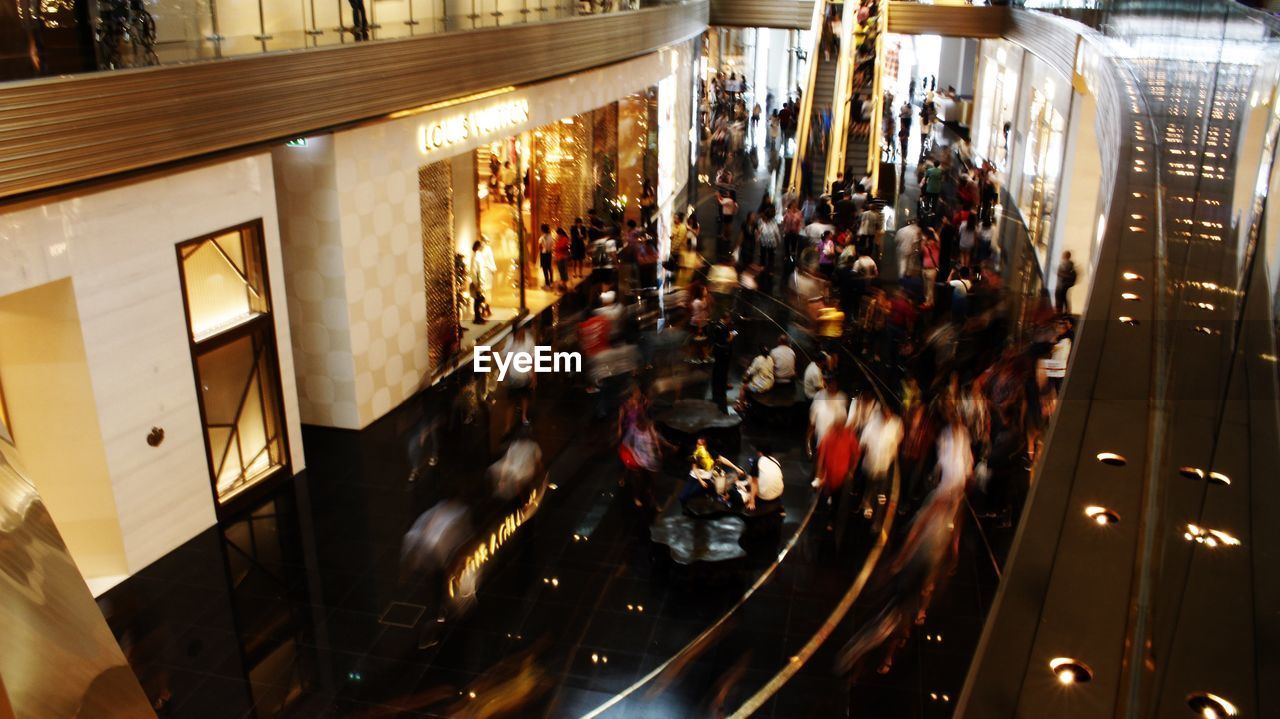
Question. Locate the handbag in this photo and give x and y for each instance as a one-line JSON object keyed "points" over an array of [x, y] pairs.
{"points": [[628, 457]]}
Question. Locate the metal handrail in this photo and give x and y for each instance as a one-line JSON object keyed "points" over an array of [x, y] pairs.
{"points": [[804, 117]]}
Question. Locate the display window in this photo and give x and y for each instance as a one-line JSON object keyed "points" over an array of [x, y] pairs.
{"points": [[233, 350], [500, 192], [1042, 167], [999, 91]]}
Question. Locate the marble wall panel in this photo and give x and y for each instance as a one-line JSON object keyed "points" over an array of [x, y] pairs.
{"points": [[118, 248]]}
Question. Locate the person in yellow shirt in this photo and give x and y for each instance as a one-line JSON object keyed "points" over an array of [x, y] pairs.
{"points": [[702, 458], [703, 480], [679, 232]]}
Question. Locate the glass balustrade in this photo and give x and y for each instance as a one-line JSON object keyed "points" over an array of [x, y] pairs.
{"points": [[59, 37]]}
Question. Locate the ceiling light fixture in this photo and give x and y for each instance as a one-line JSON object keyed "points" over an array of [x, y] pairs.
{"points": [[1210, 538], [1069, 671], [1113, 459], [1211, 706], [1101, 515]]}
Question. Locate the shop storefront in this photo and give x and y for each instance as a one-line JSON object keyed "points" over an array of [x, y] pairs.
{"points": [[395, 210], [546, 176], [997, 94], [1021, 128], [1042, 168]]}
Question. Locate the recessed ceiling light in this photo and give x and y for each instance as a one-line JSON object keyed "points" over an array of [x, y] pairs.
{"points": [[1211, 538], [1129, 296], [1069, 671], [1191, 472], [1101, 515], [1127, 320], [1211, 706], [1132, 276], [1219, 478], [1113, 459]]}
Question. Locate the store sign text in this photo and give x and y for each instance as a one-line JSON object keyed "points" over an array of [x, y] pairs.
{"points": [[460, 128], [464, 581]]}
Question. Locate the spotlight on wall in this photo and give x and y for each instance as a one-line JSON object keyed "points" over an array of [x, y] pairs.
{"points": [[1069, 671]]}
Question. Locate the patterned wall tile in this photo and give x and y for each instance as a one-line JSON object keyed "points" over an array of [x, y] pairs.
{"points": [[316, 289]]}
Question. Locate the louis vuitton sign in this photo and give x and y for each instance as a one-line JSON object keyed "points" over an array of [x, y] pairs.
{"points": [[437, 134]]}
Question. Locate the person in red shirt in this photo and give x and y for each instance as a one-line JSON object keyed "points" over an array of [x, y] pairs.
{"points": [[901, 323], [561, 253], [838, 454]]}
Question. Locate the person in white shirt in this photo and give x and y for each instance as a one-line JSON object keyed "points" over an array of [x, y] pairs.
{"points": [[764, 483], [908, 240], [546, 252], [768, 235], [815, 375], [955, 460], [728, 210], [784, 361], [829, 406], [758, 378], [520, 384], [508, 177], [869, 224], [880, 439], [814, 231], [482, 268], [864, 266], [860, 410], [1055, 365]]}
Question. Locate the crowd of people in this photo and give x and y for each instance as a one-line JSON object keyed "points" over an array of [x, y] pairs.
{"points": [[931, 378], [919, 373]]}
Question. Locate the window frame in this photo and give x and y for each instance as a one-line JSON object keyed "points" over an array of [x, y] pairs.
{"points": [[260, 326]]}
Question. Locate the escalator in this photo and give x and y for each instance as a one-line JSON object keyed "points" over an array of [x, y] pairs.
{"points": [[824, 86], [813, 134], [839, 110]]}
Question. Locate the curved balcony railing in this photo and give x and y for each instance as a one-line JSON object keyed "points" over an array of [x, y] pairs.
{"points": [[84, 128], [1169, 416], [58, 38]]}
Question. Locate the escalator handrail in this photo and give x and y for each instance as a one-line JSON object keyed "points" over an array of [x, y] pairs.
{"points": [[806, 98]]}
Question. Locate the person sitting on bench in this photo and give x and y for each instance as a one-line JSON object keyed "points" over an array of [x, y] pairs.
{"points": [[760, 492], [758, 378], [784, 361], [706, 478]]}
